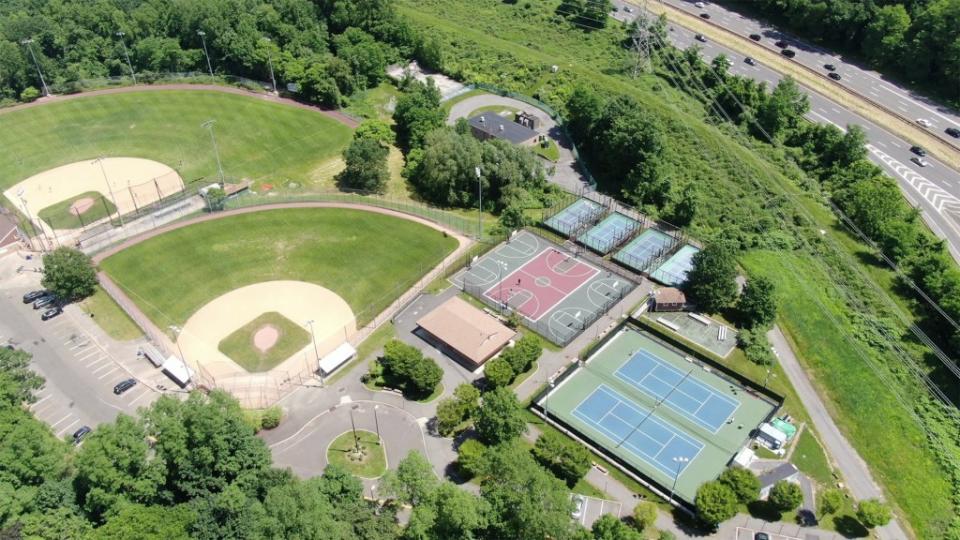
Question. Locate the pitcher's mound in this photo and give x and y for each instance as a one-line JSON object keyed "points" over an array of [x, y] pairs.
{"points": [[80, 206], [266, 337]]}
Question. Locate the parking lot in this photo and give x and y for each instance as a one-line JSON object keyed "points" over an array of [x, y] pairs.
{"points": [[744, 533], [593, 508]]}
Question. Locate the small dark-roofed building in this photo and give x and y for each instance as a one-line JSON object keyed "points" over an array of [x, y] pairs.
{"points": [[488, 125], [781, 472], [465, 333], [669, 299]]}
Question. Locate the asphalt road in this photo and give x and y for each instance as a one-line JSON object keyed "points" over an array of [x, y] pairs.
{"points": [[934, 190]]}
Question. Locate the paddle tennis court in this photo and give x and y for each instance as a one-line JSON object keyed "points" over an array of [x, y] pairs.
{"points": [[557, 293], [674, 271], [609, 233], [644, 249], [669, 418], [571, 218]]}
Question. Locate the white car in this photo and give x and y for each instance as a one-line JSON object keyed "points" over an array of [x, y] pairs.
{"points": [[920, 161], [578, 504], [924, 122], [700, 5]]}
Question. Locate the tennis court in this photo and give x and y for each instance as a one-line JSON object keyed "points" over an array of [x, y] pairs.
{"points": [[674, 271], [571, 218], [609, 233], [650, 407], [644, 249]]}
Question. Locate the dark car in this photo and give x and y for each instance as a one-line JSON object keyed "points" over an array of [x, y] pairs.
{"points": [[761, 536], [834, 76], [755, 37], [705, 16], [829, 67], [781, 43], [750, 61], [700, 38], [789, 53], [123, 386], [44, 301], [79, 434], [953, 132], [51, 313], [34, 295], [918, 151]]}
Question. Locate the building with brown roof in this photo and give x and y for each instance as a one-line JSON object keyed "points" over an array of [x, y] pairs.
{"points": [[465, 333], [669, 299]]}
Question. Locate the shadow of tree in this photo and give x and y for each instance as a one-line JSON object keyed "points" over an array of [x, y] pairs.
{"points": [[849, 527]]}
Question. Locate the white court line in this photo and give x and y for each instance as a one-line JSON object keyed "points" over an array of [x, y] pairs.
{"points": [[64, 430]]}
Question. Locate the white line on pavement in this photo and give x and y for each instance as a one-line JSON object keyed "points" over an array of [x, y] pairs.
{"points": [[101, 368], [53, 425], [39, 401], [100, 378], [145, 392], [64, 430]]}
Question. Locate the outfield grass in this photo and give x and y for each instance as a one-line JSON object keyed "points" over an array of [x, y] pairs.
{"points": [[374, 462], [239, 345], [109, 317], [60, 216], [367, 258], [810, 459], [257, 139]]}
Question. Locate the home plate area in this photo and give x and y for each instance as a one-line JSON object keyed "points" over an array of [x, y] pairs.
{"points": [[556, 292]]}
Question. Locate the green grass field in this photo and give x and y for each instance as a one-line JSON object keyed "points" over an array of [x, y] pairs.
{"points": [[372, 465], [60, 216], [109, 317], [369, 259], [258, 140], [240, 348]]}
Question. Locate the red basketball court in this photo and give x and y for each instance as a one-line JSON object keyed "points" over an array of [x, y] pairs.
{"points": [[541, 283]]}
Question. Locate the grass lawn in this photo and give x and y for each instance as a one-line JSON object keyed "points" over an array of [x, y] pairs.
{"points": [[374, 103], [551, 152], [60, 216], [257, 139], [369, 259], [810, 459], [373, 462], [448, 104], [239, 345], [368, 347], [109, 317], [502, 110]]}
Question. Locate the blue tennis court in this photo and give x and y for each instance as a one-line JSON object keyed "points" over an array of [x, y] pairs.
{"points": [[689, 397], [609, 233], [568, 220], [653, 440], [642, 250], [674, 271]]}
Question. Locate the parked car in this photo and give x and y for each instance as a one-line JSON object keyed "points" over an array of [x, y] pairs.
{"points": [[79, 434], [782, 44], [750, 61], [755, 37], [51, 313], [833, 75], [123, 386], [700, 38], [705, 16], [829, 67], [924, 122], [918, 151], [34, 295], [578, 503], [44, 301], [761, 536], [953, 132], [920, 161], [789, 53]]}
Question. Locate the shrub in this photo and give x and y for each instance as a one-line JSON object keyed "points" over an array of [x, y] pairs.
{"points": [[644, 515], [405, 367], [830, 501], [743, 482], [471, 457], [29, 94], [498, 373], [786, 496], [271, 417], [873, 513], [566, 459], [715, 502]]}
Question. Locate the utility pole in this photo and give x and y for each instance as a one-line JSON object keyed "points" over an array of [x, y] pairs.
{"points": [[479, 203], [641, 39], [43, 83], [216, 152], [127, 54], [110, 189], [203, 40]]}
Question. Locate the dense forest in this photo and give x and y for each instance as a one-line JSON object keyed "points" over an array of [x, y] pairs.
{"points": [[329, 48], [918, 40]]}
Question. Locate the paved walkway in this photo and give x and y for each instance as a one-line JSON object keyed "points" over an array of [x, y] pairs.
{"points": [[855, 472]]}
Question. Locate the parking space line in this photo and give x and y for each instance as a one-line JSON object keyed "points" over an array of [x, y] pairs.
{"points": [[83, 355], [39, 401], [97, 362], [40, 411], [66, 429], [101, 368], [100, 378], [53, 425], [145, 392]]}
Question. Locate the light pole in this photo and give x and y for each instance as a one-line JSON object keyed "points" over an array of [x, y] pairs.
{"points": [[679, 460], [43, 83], [376, 420], [216, 151], [479, 203], [203, 39], [23, 202], [103, 170], [127, 55], [313, 336], [270, 62], [501, 265], [353, 426]]}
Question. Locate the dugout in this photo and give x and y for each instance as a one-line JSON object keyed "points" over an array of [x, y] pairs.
{"points": [[464, 333]]}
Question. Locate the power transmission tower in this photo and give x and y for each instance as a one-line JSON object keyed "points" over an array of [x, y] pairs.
{"points": [[642, 40]]}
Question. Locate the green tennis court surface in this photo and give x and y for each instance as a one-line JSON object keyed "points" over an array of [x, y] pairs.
{"points": [[643, 250], [612, 231], [571, 218], [670, 419], [673, 272]]}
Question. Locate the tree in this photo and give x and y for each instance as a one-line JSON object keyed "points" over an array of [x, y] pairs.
{"points": [[743, 482], [459, 513], [417, 113], [712, 280], [413, 481], [30, 455], [715, 503], [585, 14], [376, 130], [471, 457], [758, 303], [500, 418], [444, 171], [873, 513], [609, 527], [498, 372], [405, 367], [830, 501], [784, 109], [429, 53], [566, 459], [364, 55], [366, 166], [785, 496], [644, 515], [452, 411], [136, 522], [69, 273], [685, 206], [18, 381], [216, 199]]}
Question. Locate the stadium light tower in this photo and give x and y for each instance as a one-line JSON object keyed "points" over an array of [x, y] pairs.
{"points": [[109, 188], [273, 80], [203, 40], [28, 42], [127, 55], [679, 460], [216, 151]]}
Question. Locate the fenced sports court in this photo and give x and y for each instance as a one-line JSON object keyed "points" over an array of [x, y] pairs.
{"points": [[612, 231], [674, 271], [557, 294], [699, 329], [645, 249], [649, 406], [581, 213]]}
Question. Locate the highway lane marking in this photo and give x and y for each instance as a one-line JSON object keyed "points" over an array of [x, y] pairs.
{"points": [[827, 120], [918, 104], [939, 198]]}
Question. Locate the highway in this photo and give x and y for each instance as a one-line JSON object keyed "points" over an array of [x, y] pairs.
{"points": [[934, 189]]}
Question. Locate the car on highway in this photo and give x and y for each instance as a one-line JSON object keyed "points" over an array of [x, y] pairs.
{"points": [[782, 44], [79, 434], [578, 503], [829, 67], [700, 5], [700, 38], [920, 161], [124, 385], [918, 151], [833, 75], [789, 53], [44, 301], [924, 122], [628, 9], [755, 37], [35, 295], [749, 61], [51, 313], [953, 132], [705, 16]]}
